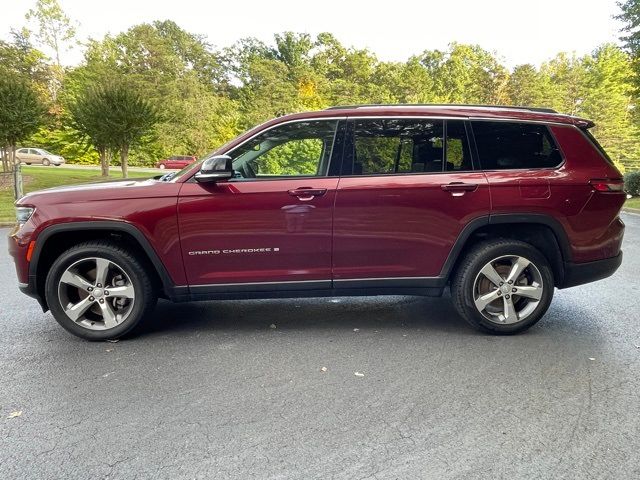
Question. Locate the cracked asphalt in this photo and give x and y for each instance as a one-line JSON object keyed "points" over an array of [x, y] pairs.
{"points": [[210, 391]]}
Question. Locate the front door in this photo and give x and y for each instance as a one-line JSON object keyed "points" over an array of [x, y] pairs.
{"points": [[408, 190], [270, 226]]}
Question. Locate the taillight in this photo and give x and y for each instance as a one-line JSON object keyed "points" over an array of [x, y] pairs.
{"points": [[606, 185]]}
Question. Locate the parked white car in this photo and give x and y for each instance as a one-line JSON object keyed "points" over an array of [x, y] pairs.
{"points": [[38, 156]]}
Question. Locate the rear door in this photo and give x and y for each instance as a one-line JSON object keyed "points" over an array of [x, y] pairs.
{"points": [[524, 167], [270, 227], [408, 189]]}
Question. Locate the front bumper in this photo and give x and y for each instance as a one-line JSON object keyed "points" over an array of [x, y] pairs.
{"points": [[581, 273]]}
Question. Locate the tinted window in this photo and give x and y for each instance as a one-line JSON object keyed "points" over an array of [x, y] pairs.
{"points": [[294, 149], [458, 154], [397, 146], [506, 145], [22, 150]]}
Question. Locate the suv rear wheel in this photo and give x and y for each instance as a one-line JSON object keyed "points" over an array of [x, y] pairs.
{"points": [[503, 286], [98, 290]]}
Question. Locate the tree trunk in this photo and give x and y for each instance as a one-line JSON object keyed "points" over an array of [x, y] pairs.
{"points": [[4, 153], [17, 175], [124, 158], [104, 162]]}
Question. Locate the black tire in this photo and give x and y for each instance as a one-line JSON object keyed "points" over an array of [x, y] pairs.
{"points": [[464, 282], [46, 162], [142, 304]]}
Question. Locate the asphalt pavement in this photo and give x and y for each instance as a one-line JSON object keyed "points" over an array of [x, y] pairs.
{"points": [[212, 391]]}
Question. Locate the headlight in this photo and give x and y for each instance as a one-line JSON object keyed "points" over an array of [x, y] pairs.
{"points": [[23, 214]]}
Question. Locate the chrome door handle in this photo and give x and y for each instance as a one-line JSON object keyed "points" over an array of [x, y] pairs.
{"points": [[459, 187], [305, 193]]}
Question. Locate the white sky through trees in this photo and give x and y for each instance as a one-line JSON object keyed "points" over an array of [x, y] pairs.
{"points": [[530, 31]]}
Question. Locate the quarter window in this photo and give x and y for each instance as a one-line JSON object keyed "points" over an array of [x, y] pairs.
{"points": [[509, 145]]}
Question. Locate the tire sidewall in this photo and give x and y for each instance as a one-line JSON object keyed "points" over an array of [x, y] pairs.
{"points": [[63, 262], [485, 256]]}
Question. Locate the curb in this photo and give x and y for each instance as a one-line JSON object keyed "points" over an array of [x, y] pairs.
{"points": [[631, 210]]}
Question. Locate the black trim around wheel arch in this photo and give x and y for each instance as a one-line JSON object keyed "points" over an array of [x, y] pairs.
{"points": [[552, 223], [504, 218], [580, 273], [167, 283]]}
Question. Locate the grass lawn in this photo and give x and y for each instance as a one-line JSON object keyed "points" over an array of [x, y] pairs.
{"points": [[633, 203], [37, 178]]}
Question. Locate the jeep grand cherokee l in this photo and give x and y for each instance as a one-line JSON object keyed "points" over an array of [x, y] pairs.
{"points": [[501, 205]]}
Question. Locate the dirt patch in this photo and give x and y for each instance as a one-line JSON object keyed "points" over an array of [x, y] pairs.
{"points": [[6, 181]]}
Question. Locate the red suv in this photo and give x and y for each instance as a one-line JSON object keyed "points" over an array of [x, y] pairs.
{"points": [[176, 162], [498, 204]]}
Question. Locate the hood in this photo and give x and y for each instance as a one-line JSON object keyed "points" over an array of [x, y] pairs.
{"points": [[89, 192]]}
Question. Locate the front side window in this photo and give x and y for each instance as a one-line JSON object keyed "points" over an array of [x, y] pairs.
{"points": [[298, 149], [511, 145]]}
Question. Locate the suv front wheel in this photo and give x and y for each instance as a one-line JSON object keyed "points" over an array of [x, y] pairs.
{"points": [[98, 291], [503, 286]]}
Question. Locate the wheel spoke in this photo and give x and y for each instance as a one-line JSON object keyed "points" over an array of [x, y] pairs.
{"points": [[530, 291], [486, 299], [125, 291], [517, 268], [102, 270], [493, 276], [510, 314], [75, 280], [77, 310], [108, 315]]}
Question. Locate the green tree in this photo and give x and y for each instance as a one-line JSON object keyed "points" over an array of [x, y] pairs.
{"points": [[526, 86], [55, 29], [127, 119], [21, 114], [608, 101], [87, 114]]}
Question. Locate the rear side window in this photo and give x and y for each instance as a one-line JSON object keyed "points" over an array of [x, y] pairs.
{"points": [[387, 146], [510, 145]]}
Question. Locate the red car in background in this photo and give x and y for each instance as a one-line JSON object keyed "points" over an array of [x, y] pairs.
{"points": [[177, 162]]}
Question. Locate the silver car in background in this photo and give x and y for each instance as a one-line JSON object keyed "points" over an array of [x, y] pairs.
{"points": [[38, 156]]}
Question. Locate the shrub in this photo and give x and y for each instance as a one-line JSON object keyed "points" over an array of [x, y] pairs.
{"points": [[632, 183]]}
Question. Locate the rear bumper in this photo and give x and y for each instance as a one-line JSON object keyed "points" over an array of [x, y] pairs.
{"points": [[581, 273]]}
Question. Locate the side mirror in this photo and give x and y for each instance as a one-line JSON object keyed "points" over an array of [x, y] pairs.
{"points": [[214, 169]]}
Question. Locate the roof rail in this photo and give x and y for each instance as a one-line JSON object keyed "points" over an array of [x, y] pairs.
{"points": [[453, 105]]}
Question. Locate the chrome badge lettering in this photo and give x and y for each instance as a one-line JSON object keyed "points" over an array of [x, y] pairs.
{"points": [[233, 251]]}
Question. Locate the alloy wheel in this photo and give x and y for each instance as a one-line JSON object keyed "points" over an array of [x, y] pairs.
{"points": [[508, 289], [96, 293]]}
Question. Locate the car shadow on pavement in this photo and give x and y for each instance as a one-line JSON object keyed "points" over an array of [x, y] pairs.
{"points": [[565, 317], [344, 313]]}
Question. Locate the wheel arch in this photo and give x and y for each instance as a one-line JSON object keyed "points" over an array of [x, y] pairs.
{"points": [[55, 239], [541, 231]]}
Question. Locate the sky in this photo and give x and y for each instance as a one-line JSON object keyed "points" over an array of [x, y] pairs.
{"points": [[519, 31]]}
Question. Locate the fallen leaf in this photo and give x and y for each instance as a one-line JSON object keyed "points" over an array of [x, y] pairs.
{"points": [[109, 350], [273, 325], [592, 359], [323, 369], [358, 374], [356, 329], [15, 414]]}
